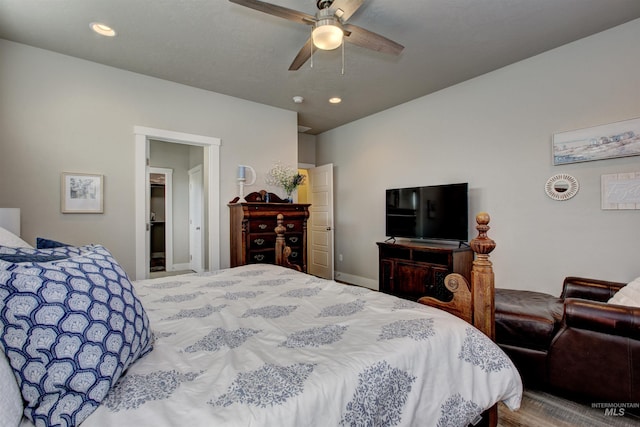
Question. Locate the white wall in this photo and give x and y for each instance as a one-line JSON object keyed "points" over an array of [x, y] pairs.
{"points": [[61, 114], [495, 133]]}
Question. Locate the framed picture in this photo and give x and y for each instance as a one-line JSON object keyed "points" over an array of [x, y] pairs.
{"points": [[621, 191], [81, 193], [620, 139]]}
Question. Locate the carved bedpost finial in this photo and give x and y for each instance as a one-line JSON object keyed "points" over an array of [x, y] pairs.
{"points": [[483, 245]]}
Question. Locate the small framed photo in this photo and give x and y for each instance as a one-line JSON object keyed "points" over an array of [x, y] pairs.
{"points": [[81, 193]]}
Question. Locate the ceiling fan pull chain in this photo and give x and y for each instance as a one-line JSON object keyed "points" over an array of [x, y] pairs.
{"points": [[343, 57]]}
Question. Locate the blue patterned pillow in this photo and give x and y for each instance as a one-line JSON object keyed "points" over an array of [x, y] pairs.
{"points": [[9, 256], [63, 251], [42, 243], [70, 329], [30, 258]]}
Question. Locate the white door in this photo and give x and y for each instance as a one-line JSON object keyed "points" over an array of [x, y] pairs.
{"points": [[196, 214], [320, 225]]}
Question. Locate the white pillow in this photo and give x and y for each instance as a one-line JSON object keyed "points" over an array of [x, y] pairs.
{"points": [[9, 239], [10, 398], [628, 295]]}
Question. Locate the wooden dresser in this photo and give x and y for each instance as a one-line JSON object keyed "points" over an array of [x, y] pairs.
{"points": [[413, 270], [253, 237]]}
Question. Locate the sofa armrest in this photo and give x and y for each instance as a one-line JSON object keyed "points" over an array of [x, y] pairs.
{"points": [[602, 317], [589, 289]]}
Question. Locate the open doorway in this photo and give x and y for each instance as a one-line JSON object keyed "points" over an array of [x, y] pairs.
{"points": [[161, 220], [171, 204], [211, 185]]}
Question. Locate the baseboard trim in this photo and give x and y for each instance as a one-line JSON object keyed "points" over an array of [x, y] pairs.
{"points": [[356, 280]]}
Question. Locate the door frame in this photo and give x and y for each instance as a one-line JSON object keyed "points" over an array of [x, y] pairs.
{"points": [[211, 183]]}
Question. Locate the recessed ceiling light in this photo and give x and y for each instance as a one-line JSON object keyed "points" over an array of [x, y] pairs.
{"points": [[335, 100], [102, 29]]}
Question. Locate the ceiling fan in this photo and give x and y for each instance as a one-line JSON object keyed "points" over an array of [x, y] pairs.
{"points": [[329, 27]]}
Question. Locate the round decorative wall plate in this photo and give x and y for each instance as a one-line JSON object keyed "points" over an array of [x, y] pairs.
{"points": [[561, 187]]}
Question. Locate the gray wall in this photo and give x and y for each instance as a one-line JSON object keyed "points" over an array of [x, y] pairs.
{"points": [[495, 133], [306, 149], [61, 114]]}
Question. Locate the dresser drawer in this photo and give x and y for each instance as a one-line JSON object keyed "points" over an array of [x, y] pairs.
{"points": [[296, 256], [293, 225], [261, 257], [262, 225], [262, 241], [293, 240]]}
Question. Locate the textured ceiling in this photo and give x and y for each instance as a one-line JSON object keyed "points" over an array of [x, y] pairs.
{"points": [[226, 48]]}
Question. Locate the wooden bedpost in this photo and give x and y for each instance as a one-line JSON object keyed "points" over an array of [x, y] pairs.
{"points": [[282, 250], [483, 288], [482, 278], [473, 299], [280, 242]]}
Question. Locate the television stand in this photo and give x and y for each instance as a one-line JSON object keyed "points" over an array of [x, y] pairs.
{"points": [[412, 270]]}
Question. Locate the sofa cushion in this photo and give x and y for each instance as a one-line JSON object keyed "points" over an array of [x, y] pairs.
{"points": [[527, 319], [629, 295]]}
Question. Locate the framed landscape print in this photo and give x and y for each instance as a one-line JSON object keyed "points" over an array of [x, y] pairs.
{"points": [[81, 193], [620, 139]]}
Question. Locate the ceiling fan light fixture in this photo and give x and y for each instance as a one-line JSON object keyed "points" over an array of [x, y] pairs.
{"points": [[327, 34]]}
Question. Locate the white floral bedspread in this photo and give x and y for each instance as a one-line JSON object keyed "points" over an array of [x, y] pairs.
{"points": [[261, 345]]}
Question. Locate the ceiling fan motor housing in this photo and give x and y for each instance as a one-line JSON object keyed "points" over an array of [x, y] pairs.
{"points": [[324, 4]]}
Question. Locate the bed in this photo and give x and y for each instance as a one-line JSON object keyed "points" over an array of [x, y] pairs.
{"points": [[256, 345]]}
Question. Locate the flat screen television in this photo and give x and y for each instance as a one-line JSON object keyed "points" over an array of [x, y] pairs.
{"points": [[431, 212]]}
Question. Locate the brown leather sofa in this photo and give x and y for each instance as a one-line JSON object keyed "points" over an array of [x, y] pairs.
{"points": [[577, 344]]}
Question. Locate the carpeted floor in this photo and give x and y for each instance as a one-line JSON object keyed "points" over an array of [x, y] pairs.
{"points": [[540, 409]]}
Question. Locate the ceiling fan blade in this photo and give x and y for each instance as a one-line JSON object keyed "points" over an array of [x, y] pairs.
{"points": [[302, 56], [343, 9], [370, 40], [279, 11]]}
